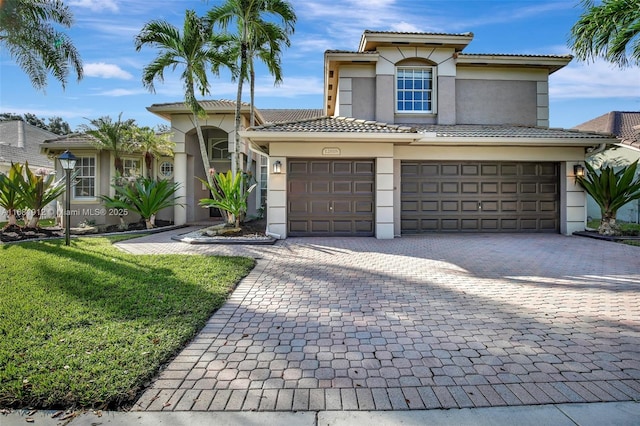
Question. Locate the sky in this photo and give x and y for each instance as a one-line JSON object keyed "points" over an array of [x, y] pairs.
{"points": [[104, 32]]}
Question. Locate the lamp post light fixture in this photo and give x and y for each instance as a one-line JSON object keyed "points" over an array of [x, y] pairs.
{"points": [[277, 167], [68, 163], [578, 170]]}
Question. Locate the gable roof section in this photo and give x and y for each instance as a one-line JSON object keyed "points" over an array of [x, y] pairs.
{"points": [[165, 110], [370, 40], [71, 142], [625, 125], [20, 142]]}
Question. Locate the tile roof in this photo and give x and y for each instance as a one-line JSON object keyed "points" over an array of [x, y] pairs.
{"points": [[79, 140], [206, 103], [334, 124], [352, 125], [287, 115], [625, 125], [12, 149], [517, 55], [467, 34], [502, 131]]}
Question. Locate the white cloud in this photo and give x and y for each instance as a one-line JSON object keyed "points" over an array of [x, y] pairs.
{"points": [[96, 5], [104, 70], [115, 93], [291, 87], [600, 79]]}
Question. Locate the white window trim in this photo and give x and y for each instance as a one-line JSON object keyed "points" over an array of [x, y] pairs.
{"points": [[140, 160], [160, 162], [96, 181], [434, 90]]}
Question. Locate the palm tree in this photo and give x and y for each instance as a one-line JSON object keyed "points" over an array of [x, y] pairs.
{"points": [[194, 50], [116, 137], [26, 31], [252, 31], [607, 31], [10, 198], [611, 190], [152, 145]]}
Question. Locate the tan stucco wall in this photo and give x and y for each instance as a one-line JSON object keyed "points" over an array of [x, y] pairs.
{"points": [[496, 102]]}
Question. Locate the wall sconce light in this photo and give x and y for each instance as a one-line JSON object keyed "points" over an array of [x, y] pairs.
{"points": [[578, 170], [277, 167]]}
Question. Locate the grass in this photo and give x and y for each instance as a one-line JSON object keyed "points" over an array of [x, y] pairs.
{"points": [[627, 229], [42, 223], [88, 325]]}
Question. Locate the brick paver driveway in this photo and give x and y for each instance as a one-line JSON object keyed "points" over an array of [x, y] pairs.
{"points": [[435, 321]]}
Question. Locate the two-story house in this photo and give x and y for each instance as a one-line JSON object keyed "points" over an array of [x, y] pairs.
{"points": [[419, 136]]}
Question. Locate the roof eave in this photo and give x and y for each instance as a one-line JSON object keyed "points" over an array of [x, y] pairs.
{"points": [[510, 141], [371, 40], [552, 63], [267, 137]]}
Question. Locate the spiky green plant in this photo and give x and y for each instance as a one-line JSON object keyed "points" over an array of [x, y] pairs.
{"points": [[145, 196], [36, 190], [10, 198], [228, 194], [611, 190]]}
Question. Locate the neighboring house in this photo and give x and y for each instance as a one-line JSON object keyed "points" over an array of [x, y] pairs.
{"points": [[414, 136], [20, 143], [625, 125]]}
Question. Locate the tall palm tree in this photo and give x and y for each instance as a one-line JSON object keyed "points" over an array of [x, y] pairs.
{"points": [[195, 49], [26, 31], [114, 136], [253, 28], [152, 145], [608, 30]]}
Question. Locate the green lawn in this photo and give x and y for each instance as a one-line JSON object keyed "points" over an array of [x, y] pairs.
{"points": [[88, 325]]}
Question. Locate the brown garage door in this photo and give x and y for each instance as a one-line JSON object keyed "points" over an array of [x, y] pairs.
{"points": [[479, 197], [330, 197]]}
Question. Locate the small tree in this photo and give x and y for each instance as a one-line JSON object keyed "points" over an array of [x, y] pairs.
{"points": [[144, 196], [10, 198], [611, 190], [229, 194]]}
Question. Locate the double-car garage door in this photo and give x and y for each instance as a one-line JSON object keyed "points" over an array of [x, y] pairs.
{"points": [[479, 197], [336, 197]]}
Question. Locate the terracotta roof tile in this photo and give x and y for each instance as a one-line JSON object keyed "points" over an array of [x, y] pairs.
{"points": [[625, 125], [503, 131]]}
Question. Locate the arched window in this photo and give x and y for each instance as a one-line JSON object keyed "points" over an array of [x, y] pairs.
{"points": [[415, 91], [219, 149]]}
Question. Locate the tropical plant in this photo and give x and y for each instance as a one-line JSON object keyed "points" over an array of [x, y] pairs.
{"points": [[194, 50], [611, 190], [253, 33], [152, 145], [36, 190], [229, 194], [144, 196], [610, 30], [27, 33], [114, 136], [10, 199]]}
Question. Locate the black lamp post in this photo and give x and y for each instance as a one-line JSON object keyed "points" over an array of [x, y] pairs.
{"points": [[68, 163]]}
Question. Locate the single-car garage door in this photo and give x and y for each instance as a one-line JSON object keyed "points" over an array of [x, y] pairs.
{"points": [[479, 197], [330, 197]]}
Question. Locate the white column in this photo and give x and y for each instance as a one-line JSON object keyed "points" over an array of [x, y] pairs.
{"points": [[180, 176], [277, 199]]}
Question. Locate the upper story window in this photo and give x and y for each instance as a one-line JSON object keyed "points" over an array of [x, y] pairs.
{"points": [[85, 183], [414, 89], [219, 149]]}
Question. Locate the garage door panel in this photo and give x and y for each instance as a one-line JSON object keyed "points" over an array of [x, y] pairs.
{"points": [[332, 197], [482, 196]]}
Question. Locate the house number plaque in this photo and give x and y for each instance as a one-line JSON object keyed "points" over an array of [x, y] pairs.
{"points": [[330, 151]]}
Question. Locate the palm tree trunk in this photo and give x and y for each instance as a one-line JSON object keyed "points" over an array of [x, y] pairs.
{"points": [[608, 225], [203, 150], [252, 82], [11, 218]]}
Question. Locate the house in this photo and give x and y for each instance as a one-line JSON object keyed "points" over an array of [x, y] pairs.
{"points": [[20, 143], [415, 136], [419, 136], [625, 126]]}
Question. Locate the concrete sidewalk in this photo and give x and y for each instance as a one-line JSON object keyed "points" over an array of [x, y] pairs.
{"points": [[596, 414]]}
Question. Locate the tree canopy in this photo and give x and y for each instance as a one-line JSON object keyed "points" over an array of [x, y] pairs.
{"points": [[609, 30]]}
